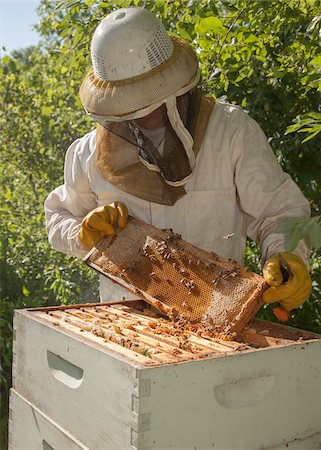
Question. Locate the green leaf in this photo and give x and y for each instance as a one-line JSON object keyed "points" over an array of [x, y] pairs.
{"points": [[293, 239], [316, 61], [46, 110], [306, 130], [6, 59], [311, 136], [25, 291], [314, 235], [50, 93], [183, 33], [300, 228], [292, 128], [314, 22], [8, 194], [250, 72], [314, 115], [210, 24], [147, 353], [71, 3], [289, 225], [251, 38]]}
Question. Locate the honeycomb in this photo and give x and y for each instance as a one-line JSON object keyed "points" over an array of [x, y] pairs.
{"points": [[178, 278]]}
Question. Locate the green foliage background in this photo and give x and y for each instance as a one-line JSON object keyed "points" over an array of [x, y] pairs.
{"points": [[263, 55]]}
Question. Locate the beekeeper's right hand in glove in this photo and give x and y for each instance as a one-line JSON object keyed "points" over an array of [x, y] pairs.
{"points": [[102, 221]]}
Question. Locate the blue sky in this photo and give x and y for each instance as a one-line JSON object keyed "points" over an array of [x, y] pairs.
{"points": [[16, 20]]}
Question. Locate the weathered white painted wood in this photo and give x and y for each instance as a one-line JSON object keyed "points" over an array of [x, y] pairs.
{"points": [[312, 442], [247, 401], [251, 400], [31, 429], [84, 389]]}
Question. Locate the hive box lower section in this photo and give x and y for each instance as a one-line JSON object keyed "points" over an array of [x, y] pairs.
{"points": [[263, 392], [31, 429]]}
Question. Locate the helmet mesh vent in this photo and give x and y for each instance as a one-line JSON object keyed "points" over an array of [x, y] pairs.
{"points": [[99, 67], [160, 48]]}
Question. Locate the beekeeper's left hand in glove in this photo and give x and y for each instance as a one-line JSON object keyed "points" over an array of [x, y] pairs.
{"points": [[292, 291], [102, 221]]}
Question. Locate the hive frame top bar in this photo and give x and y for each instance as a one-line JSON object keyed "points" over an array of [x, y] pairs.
{"points": [[137, 335]]}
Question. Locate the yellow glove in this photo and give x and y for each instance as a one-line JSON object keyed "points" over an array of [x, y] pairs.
{"points": [[290, 282], [100, 222]]}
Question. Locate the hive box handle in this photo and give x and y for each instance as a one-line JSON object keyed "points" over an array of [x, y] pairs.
{"points": [[64, 371], [245, 392]]}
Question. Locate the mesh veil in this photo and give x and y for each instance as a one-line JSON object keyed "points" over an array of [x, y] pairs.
{"points": [[123, 152]]}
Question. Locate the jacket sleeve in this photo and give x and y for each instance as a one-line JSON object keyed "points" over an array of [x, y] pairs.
{"points": [[68, 204], [267, 195]]}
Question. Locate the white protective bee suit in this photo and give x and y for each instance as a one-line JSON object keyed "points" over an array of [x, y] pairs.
{"points": [[237, 189]]}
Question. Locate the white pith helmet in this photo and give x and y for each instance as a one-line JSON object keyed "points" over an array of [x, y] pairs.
{"points": [[127, 43], [136, 65]]}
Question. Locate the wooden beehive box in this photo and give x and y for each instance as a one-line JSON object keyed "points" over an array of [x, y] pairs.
{"points": [[118, 376]]}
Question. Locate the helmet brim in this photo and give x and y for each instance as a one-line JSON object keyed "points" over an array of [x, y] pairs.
{"points": [[123, 97]]}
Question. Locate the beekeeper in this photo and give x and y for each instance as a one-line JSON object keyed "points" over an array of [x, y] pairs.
{"points": [[174, 158]]}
